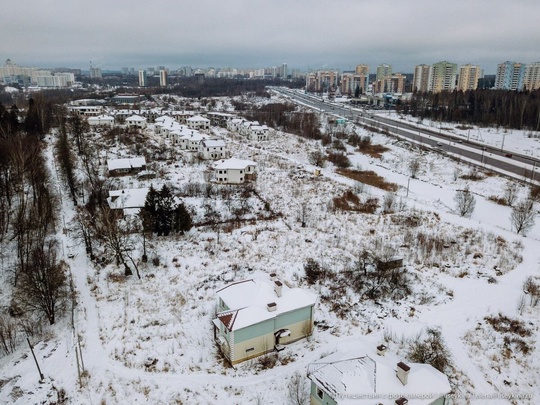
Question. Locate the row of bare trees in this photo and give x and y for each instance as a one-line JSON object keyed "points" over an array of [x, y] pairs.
{"points": [[34, 275], [500, 108]]}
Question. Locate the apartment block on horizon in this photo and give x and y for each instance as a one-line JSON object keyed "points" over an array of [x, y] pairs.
{"points": [[422, 78], [322, 80], [163, 77], [443, 76], [142, 78], [510, 76], [531, 79], [469, 76]]}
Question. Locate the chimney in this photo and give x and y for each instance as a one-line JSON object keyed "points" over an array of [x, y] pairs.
{"points": [[273, 276], [402, 372], [272, 306], [381, 350], [277, 287]]}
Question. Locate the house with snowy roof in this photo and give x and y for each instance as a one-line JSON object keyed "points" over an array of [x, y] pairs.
{"points": [[136, 121], [220, 119], [234, 171], [130, 201], [260, 315], [258, 132], [245, 127], [182, 116], [118, 167], [370, 377], [102, 120], [197, 122], [234, 124], [212, 149]]}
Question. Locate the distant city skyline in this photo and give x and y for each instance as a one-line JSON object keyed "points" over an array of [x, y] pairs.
{"points": [[305, 34]]}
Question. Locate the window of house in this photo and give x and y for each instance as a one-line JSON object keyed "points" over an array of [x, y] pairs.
{"points": [[241, 179], [250, 349], [320, 393]]}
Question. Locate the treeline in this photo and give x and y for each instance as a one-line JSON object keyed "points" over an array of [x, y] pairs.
{"points": [[500, 108], [283, 116], [35, 276], [218, 87]]}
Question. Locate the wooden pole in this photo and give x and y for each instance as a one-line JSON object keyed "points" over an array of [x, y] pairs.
{"points": [[41, 378]]}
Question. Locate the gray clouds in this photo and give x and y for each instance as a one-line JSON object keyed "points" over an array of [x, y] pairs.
{"points": [[251, 33]]}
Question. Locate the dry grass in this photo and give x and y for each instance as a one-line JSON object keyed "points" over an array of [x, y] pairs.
{"points": [[370, 178], [498, 200], [375, 151], [349, 201]]}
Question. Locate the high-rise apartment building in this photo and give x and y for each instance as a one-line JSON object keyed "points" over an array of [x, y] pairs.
{"points": [[163, 78], [469, 76], [510, 76], [383, 79], [531, 79], [95, 73], [422, 78], [443, 76], [322, 80], [142, 78]]}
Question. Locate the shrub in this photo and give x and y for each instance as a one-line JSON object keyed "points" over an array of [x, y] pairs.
{"points": [[339, 159], [430, 349], [313, 271]]}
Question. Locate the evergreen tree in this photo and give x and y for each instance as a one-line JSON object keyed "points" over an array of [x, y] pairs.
{"points": [[148, 212], [182, 219], [165, 211], [32, 123]]}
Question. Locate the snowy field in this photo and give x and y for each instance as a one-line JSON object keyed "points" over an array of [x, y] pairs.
{"points": [[471, 272]]}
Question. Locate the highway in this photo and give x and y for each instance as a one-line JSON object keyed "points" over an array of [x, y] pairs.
{"points": [[522, 167]]}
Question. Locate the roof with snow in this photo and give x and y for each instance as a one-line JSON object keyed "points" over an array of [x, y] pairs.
{"points": [[372, 379], [102, 117], [213, 143], [247, 301], [127, 198], [197, 118], [233, 163], [135, 118], [126, 163]]}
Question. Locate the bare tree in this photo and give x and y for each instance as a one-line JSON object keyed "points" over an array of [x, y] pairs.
{"points": [[43, 283], [510, 193], [298, 389], [317, 158], [414, 167], [522, 216], [465, 202], [431, 350], [115, 233]]}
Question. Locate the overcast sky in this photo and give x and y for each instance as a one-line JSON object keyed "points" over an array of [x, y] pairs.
{"points": [[304, 34]]}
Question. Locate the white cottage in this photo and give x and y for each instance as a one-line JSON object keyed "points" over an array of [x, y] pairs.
{"points": [[101, 121], [198, 122], [234, 171], [212, 149], [136, 121]]}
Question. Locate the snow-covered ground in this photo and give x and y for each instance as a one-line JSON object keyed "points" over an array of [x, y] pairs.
{"points": [[475, 270]]}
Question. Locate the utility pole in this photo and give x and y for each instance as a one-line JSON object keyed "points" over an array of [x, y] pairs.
{"points": [[41, 378]]}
